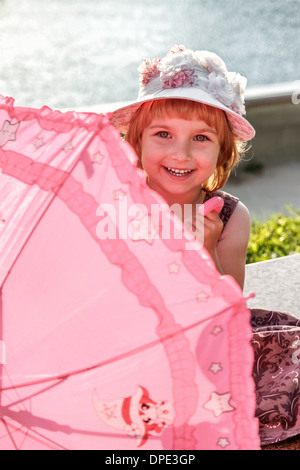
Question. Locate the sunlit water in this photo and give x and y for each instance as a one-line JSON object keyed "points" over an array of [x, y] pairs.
{"points": [[74, 53]]}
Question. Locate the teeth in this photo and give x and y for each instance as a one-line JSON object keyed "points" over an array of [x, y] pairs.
{"points": [[175, 172]]}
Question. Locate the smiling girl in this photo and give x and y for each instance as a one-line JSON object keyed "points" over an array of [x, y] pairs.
{"points": [[187, 150]]}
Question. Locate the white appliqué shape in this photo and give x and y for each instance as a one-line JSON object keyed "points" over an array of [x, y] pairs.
{"points": [[8, 132], [142, 229]]}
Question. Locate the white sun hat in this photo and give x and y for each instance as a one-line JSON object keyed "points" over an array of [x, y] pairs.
{"points": [[199, 76]]}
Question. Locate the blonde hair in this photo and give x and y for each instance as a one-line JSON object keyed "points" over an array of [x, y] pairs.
{"points": [[231, 148]]}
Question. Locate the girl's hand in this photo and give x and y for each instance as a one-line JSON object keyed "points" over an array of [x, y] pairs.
{"points": [[228, 247], [208, 230], [213, 225], [216, 204], [207, 227]]}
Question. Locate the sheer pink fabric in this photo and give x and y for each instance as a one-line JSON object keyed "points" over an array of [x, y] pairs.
{"points": [[132, 342]]}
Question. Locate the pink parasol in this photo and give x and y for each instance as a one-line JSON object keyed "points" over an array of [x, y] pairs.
{"points": [[112, 336]]}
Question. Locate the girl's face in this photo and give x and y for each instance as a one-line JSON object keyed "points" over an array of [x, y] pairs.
{"points": [[178, 156]]}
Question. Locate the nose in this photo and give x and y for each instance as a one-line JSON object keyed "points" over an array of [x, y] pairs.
{"points": [[181, 151]]}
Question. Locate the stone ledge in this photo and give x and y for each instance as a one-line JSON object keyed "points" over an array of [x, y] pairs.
{"points": [[276, 284], [273, 93]]}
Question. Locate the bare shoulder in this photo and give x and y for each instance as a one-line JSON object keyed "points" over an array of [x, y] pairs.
{"points": [[233, 243], [238, 225]]}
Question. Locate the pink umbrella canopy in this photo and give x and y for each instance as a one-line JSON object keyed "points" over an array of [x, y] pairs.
{"points": [[112, 334]]}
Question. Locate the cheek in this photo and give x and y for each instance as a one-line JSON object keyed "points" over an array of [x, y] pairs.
{"points": [[215, 156], [210, 160], [150, 157], [145, 161]]}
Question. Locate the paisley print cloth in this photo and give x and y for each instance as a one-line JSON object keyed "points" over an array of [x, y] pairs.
{"points": [[276, 372]]}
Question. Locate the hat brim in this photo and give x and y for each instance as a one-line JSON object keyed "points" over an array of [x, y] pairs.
{"points": [[121, 117]]}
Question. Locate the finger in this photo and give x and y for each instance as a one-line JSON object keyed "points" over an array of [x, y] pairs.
{"points": [[214, 204], [212, 216]]}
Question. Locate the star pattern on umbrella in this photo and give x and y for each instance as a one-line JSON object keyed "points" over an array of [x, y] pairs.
{"points": [[8, 132], [223, 442], [219, 403], [142, 229], [215, 367], [119, 194], [68, 147], [97, 158], [39, 142], [217, 330], [174, 268], [202, 297]]}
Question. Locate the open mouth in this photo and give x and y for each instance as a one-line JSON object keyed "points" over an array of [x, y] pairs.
{"points": [[179, 173]]}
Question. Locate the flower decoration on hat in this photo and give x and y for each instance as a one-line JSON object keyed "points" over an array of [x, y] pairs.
{"points": [[180, 78], [148, 70], [182, 67]]}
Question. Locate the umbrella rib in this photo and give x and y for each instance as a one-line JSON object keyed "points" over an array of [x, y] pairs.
{"points": [[66, 375], [50, 441], [9, 433], [29, 434], [21, 400]]}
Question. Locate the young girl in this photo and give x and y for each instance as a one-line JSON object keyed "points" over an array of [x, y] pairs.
{"points": [[188, 131], [187, 150]]}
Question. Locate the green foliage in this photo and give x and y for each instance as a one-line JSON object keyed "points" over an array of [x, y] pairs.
{"points": [[278, 236]]}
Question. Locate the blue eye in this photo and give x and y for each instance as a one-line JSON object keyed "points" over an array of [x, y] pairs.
{"points": [[201, 138], [163, 134]]}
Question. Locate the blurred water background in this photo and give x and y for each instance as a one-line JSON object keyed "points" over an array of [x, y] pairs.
{"points": [[76, 53]]}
